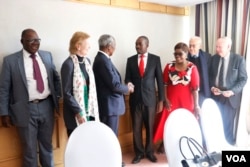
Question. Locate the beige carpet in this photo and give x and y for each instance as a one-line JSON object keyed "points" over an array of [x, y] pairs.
{"points": [[162, 161]]}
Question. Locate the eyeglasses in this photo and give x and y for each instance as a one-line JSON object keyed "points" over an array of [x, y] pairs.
{"points": [[31, 41], [178, 53], [192, 45]]}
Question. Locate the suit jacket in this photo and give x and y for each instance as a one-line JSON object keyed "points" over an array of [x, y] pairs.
{"points": [[203, 68], [110, 90], [145, 87], [14, 95], [236, 76], [70, 105]]}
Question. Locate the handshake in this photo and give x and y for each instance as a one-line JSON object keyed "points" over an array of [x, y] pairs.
{"points": [[130, 87]]}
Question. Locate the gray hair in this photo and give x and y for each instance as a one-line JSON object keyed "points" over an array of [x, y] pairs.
{"points": [[197, 39], [106, 40], [227, 39]]}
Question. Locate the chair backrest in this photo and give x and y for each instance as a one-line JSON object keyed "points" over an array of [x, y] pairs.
{"points": [[212, 127], [180, 122], [93, 144]]}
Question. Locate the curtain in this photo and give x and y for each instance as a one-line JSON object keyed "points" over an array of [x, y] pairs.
{"points": [[223, 18], [229, 18]]}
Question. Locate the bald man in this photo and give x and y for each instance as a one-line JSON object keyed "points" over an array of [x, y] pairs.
{"points": [[227, 94]]}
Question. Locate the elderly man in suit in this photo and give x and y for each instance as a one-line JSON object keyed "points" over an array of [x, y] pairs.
{"points": [[227, 78], [110, 90], [29, 91], [143, 70], [202, 60]]}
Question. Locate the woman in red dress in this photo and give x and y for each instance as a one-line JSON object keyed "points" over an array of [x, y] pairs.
{"points": [[181, 81]]}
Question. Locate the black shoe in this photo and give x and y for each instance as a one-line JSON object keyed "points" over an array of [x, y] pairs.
{"points": [[161, 149], [137, 159], [152, 158], [123, 164]]}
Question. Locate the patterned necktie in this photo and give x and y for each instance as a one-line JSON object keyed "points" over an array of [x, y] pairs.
{"points": [[221, 74], [37, 74], [141, 65]]}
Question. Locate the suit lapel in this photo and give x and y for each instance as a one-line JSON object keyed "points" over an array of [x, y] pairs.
{"points": [[136, 65], [230, 65], [21, 68], [46, 62], [217, 63], [148, 64]]}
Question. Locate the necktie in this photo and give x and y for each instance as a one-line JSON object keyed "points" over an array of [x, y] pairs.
{"points": [[141, 65], [37, 74], [221, 74]]}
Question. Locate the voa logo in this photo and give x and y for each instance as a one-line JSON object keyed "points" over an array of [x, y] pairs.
{"points": [[236, 158]]}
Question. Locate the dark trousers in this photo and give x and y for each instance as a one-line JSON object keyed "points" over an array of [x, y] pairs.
{"points": [[143, 115], [111, 121], [228, 114], [38, 134]]}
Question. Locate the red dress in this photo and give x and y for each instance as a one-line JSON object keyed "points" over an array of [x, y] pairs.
{"points": [[179, 92]]}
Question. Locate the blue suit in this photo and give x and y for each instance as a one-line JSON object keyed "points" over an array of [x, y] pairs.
{"points": [[202, 62], [33, 121], [110, 91]]}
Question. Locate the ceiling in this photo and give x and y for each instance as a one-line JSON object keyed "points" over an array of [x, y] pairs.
{"points": [[178, 3]]}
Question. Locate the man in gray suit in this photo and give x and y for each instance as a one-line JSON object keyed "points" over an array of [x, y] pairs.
{"points": [[28, 102], [227, 93], [143, 100]]}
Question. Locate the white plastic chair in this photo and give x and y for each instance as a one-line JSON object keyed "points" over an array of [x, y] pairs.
{"points": [[180, 122], [212, 127], [93, 144]]}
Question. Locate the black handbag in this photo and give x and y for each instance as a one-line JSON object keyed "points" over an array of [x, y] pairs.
{"points": [[204, 159]]}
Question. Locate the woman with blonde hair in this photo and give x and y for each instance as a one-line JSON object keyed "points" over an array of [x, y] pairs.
{"points": [[78, 84]]}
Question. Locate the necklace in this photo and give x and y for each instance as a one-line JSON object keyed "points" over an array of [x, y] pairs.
{"points": [[81, 62]]}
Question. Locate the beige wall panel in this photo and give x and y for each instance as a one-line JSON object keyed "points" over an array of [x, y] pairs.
{"points": [[105, 2], [126, 3], [176, 10], [153, 7]]}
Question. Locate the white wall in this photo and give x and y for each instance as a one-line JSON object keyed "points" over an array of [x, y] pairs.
{"points": [[56, 20]]}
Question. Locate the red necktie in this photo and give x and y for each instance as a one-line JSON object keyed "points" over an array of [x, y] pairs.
{"points": [[37, 74], [141, 65]]}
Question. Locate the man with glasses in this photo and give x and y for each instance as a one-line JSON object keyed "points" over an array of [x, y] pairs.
{"points": [[201, 59], [29, 91]]}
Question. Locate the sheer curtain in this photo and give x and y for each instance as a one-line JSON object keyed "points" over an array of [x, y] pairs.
{"points": [[229, 18]]}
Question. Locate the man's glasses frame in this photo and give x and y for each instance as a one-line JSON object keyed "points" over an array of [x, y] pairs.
{"points": [[31, 41]]}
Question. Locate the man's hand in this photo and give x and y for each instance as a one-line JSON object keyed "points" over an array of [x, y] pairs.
{"points": [[228, 93], [159, 106], [6, 121], [130, 87], [216, 91]]}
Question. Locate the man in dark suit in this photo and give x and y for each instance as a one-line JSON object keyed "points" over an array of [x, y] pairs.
{"points": [[227, 93], [27, 105], [201, 59], [143, 100], [110, 90]]}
